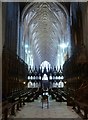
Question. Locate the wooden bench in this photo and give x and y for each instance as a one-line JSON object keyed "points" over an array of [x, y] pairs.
{"points": [[81, 106], [64, 99], [7, 110], [14, 103]]}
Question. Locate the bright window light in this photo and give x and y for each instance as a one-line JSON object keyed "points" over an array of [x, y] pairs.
{"points": [[50, 77], [45, 64], [26, 46], [29, 84], [26, 50], [63, 45], [39, 77], [61, 77], [61, 84], [28, 77], [45, 77], [29, 52]]}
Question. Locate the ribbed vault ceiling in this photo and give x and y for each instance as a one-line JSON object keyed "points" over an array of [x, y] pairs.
{"points": [[45, 28]]}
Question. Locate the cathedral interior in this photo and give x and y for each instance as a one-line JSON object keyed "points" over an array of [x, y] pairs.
{"points": [[44, 59]]}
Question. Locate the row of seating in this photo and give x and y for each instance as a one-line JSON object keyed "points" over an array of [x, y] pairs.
{"points": [[80, 106], [59, 95], [14, 75], [79, 100], [33, 95], [14, 102], [14, 72]]}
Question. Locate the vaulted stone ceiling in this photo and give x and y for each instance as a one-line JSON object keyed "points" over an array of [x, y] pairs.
{"points": [[45, 28]]}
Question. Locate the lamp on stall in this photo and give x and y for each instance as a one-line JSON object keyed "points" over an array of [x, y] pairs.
{"points": [[24, 83]]}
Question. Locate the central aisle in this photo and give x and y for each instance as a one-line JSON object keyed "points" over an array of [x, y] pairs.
{"points": [[56, 110]]}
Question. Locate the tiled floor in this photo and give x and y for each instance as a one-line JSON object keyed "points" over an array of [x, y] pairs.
{"points": [[56, 110]]}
